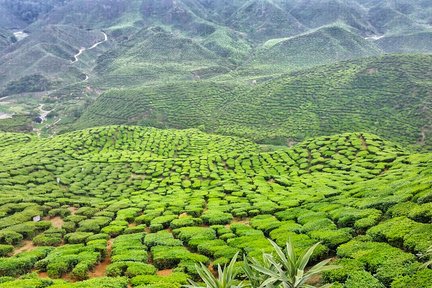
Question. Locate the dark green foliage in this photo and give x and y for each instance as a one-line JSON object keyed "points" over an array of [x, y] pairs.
{"points": [[22, 263], [32, 83], [5, 250]]}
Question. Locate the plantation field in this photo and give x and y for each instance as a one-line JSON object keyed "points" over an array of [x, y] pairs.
{"points": [[125, 206], [387, 96]]}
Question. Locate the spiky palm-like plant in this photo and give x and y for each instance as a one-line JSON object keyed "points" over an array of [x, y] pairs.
{"points": [[226, 276], [428, 252], [254, 276], [288, 270]]}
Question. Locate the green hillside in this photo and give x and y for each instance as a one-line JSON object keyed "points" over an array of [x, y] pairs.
{"points": [[323, 46], [387, 96], [6, 38], [136, 202], [54, 48]]}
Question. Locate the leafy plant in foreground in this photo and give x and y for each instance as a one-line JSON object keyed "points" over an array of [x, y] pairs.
{"points": [[226, 276], [288, 270], [429, 253]]}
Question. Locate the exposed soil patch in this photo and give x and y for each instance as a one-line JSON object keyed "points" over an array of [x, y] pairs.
{"points": [[43, 275], [164, 273], [27, 246], [363, 140], [56, 222], [212, 269], [132, 225], [244, 221], [73, 210], [314, 280], [100, 269]]}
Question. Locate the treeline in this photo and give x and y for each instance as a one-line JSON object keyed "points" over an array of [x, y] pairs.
{"points": [[29, 10]]}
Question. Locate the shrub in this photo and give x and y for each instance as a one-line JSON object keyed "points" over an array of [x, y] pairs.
{"points": [[422, 278], [189, 233], [49, 238], [176, 279], [332, 238], [381, 259], [165, 257], [265, 223], [212, 217], [129, 269], [23, 262], [104, 282], [77, 237], [113, 230], [10, 237], [185, 222], [162, 238], [5, 250]]}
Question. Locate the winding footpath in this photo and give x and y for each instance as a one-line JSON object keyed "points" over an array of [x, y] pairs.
{"points": [[82, 49]]}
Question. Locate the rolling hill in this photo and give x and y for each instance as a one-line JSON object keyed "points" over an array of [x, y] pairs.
{"points": [[389, 96]]}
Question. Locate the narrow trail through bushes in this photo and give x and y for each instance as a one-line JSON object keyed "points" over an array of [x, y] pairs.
{"points": [[27, 246], [100, 269]]}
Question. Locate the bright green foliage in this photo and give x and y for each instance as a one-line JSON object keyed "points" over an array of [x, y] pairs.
{"points": [[226, 276], [165, 257], [5, 250], [129, 248], [176, 279], [287, 269], [115, 186]]}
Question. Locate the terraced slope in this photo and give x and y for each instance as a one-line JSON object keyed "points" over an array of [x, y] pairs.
{"points": [[389, 96], [323, 46], [136, 202]]}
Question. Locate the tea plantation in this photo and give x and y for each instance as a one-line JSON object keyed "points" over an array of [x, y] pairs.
{"points": [[124, 206], [388, 96]]}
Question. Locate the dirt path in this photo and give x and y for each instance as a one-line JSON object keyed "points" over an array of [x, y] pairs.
{"points": [[363, 141], [27, 246], [164, 273], [73, 210], [56, 222], [422, 140], [100, 269], [83, 49], [44, 113]]}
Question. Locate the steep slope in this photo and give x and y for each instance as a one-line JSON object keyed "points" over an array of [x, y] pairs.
{"points": [[6, 39], [316, 13], [388, 96], [408, 43], [154, 55], [263, 20], [49, 52], [323, 46], [169, 199]]}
